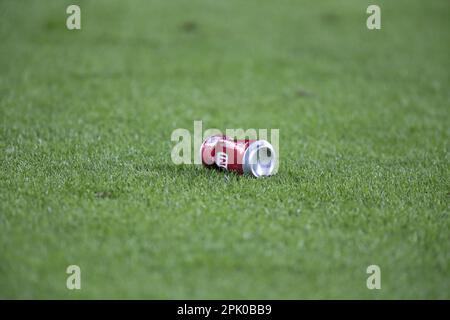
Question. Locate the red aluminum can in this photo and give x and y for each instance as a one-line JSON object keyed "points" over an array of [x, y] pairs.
{"points": [[254, 157]]}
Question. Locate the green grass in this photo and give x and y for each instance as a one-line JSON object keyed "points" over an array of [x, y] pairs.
{"points": [[86, 176]]}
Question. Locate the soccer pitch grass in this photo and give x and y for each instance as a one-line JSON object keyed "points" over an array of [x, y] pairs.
{"points": [[86, 176]]}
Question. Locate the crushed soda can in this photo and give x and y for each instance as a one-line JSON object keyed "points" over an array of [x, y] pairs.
{"points": [[253, 157]]}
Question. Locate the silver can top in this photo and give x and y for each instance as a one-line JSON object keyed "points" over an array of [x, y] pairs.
{"points": [[259, 159]]}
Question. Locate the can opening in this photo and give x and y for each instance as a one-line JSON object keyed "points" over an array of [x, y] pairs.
{"points": [[260, 159], [264, 156]]}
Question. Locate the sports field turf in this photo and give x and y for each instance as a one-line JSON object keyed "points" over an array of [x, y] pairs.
{"points": [[86, 175]]}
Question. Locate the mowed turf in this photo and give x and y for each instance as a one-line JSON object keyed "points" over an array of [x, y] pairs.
{"points": [[86, 175]]}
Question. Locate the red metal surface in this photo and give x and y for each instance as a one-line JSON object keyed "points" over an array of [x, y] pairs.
{"points": [[223, 152]]}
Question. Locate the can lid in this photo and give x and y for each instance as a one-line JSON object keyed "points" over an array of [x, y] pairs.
{"points": [[259, 159]]}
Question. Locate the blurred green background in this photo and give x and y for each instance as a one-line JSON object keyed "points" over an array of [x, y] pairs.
{"points": [[86, 176]]}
